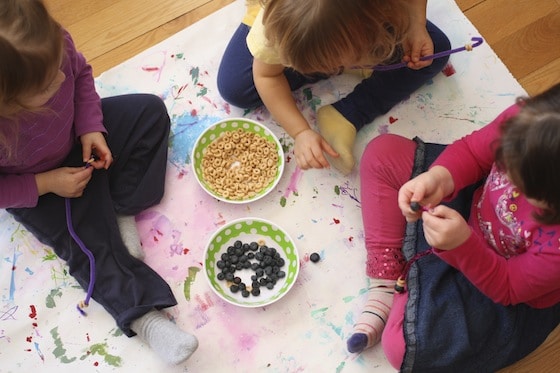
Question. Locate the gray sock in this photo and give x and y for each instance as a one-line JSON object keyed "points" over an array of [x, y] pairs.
{"points": [[130, 236], [172, 344]]}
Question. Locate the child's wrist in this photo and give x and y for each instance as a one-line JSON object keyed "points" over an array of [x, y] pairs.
{"points": [[299, 132]]}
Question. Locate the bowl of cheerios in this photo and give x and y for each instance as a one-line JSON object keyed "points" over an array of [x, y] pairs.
{"points": [[251, 262], [237, 160]]}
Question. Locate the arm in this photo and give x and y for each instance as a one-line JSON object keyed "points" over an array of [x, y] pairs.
{"points": [[275, 92], [418, 42], [23, 190], [470, 159], [531, 277], [88, 117]]}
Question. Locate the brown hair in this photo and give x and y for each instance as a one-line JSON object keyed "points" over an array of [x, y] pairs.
{"points": [[529, 150], [31, 43], [317, 35]]}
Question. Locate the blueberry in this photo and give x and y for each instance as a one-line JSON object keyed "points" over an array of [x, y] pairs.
{"points": [[234, 288], [256, 291], [314, 257], [220, 276], [245, 293]]}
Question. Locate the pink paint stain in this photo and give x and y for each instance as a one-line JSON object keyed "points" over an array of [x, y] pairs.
{"points": [[448, 70], [247, 341], [156, 69], [294, 180]]}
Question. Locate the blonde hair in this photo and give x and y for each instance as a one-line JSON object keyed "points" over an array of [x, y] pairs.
{"points": [[31, 44], [318, 35]]}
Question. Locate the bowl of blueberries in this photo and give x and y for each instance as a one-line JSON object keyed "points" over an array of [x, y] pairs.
{"points": [[251, 262]]}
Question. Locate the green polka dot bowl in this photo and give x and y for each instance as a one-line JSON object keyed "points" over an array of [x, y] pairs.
{"points": [[235, 178], [248, 231]]}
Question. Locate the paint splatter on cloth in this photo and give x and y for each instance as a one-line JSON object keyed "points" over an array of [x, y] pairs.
{"points": [[306, 330]]}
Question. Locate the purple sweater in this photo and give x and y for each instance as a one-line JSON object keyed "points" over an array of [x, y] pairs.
{"points": [[44, 139]]}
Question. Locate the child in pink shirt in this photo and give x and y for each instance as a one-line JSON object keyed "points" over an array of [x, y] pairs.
{"points": [[478, 270]]}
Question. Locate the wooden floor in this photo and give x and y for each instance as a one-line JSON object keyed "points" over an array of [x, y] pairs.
{"points": [[525, 34]]}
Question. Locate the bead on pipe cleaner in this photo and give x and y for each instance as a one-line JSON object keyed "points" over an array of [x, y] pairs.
{"points": [[468, 47], [415, 206], [399, 285]]}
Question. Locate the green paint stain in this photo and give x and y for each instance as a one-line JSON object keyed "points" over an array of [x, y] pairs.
{"points": [[337, 190], [101, 350], [340, 367], [117, 332], [50, 298], [195, 73], [179, 55], [312, 101], [320, 312], [348, 299], [203, 91], [60, 352], [283, 201], [50, 256], [189, 281]]}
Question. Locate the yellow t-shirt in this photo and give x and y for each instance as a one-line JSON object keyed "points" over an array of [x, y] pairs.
{"points": [[253, 8], [258, 44]]}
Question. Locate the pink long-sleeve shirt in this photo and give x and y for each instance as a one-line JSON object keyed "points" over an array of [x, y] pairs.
{"points": [[45, 138], [509, 256]]}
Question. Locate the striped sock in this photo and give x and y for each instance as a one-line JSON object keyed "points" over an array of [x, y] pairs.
{"points": [[369, 327]]}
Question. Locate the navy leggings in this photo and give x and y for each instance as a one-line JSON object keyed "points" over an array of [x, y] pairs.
{"points": [[370, 98], [138, 132]]}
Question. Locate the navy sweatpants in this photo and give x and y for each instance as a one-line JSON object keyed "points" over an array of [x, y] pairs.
{"points": [[370, 98], [138, 132]]}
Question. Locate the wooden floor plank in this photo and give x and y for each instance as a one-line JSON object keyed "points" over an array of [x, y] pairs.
{"points": [[117, 56], [514, 15], [535, 45], [542, 78], [132, 21], [68, 15], [467, 4]]}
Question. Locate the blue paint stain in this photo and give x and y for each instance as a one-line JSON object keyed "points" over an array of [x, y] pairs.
{"points": [[185, 130], [13, 278]]}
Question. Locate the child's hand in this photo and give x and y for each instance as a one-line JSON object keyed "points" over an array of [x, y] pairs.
{"points": [[94, 143], [418, 44], [309, 148], [68, 182], [445, 228], [428, 189]]}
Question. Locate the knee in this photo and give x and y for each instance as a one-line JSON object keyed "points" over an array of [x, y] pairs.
{"points": [[441, 44], [379, 147], [233, 93], [387, 154]]}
